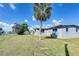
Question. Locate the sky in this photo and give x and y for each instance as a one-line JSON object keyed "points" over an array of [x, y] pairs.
{"points": [[62, 13]]}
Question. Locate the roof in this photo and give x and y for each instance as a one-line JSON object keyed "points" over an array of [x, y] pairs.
{"points": [[60, 26]]}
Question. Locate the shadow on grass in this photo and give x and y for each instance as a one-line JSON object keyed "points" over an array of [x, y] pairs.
{"points": [[66, 50], [48, 37]]}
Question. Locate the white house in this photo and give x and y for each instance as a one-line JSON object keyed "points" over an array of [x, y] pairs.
{"points": [[60, 31]]}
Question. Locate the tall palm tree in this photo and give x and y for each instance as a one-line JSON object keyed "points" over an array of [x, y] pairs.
{"points": [[42, 12]]}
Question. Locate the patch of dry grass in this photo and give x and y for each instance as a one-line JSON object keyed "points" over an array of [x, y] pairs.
{"points": [[30, 45]]}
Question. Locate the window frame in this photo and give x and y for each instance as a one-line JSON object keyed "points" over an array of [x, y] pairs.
{"points": [[55, 29]]}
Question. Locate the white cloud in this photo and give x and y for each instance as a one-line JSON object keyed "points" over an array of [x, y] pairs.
{"points": [[48, 25], [1, 5], [12, 6], [60, 4], [60, 20], [36, 26], [6, 27], [30, 28], [26, 20], [12, 25], [4, 24], [55, 22], [43, 26], [33, 18]]}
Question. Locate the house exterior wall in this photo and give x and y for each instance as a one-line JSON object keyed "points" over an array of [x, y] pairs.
{"points": [[61, 33], [37, 32], [48, 32], [45, 33]]}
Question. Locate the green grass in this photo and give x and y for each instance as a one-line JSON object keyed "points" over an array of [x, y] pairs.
{"points": [[29, 45]]}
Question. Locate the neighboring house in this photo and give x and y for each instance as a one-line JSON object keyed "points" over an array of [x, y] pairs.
{"points": [[60, 31], [32, 32], [26, 32]]}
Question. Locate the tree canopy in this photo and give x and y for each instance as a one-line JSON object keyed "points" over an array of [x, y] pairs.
{"points": [[20, 28]]}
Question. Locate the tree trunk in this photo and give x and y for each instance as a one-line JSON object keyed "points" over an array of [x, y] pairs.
{"points": [[40, 29]]}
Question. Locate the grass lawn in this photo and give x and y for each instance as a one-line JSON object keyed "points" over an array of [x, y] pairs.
{"points": [[29, 45]]}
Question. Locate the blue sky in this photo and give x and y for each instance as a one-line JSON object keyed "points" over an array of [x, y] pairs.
{"points": [[62, 13]]}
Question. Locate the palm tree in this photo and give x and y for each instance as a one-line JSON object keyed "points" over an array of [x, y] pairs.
{"points": [[42, 12]]}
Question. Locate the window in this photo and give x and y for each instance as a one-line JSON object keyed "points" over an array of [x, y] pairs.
{"points": [[54, 29], [42, 30], [76, 29], [66, 29]]}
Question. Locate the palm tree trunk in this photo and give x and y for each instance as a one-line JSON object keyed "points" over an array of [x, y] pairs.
{"points": [[40, 29]]}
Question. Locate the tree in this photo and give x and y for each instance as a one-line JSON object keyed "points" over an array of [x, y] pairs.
{"points": [[1, 31], [20, 28], [42, 12]]}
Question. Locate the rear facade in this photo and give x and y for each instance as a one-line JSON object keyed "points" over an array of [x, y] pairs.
{"points": [[60, 31]]}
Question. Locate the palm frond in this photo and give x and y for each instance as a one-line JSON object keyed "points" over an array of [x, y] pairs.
{"points": [[42, 11]]}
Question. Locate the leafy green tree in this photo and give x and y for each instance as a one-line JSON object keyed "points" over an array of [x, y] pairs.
{"points": [[42, 12], [20, 28]]}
